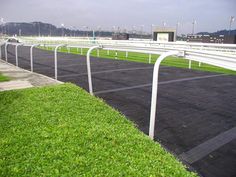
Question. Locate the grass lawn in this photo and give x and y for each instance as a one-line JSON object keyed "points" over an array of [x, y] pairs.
{"points": [[4, 78], [63, 131], [144, 58]]}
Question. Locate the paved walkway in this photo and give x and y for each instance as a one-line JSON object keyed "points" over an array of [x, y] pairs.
{"points": [[21, 78]]}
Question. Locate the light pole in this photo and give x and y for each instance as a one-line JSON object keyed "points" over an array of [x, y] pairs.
{"points": [[62, 29], [230, 23], [2, 25], [152, 26], [164, 24], [177, 29], [39, 32], [193, 23]]}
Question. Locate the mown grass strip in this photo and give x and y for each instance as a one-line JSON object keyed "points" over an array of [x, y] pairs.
{"points": [[63, 131]]}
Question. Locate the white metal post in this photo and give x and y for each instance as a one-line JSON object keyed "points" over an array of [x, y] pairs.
{"points": [[108, 52], [31, 57], [6, 52], [150, 58], [89, 69], [55, 59], [16, 53], [0, 51], [116, 55], [126, 54], [199, 64], [98, 54], [190, 64], [81, 51], [154, 91]]}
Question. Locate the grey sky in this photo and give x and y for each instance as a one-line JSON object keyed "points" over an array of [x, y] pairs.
{"points": [[211, 15]]}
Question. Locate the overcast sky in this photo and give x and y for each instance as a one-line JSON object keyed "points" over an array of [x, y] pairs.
{"points": [[210, 15]]}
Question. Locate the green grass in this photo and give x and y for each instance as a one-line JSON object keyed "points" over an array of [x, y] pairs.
{"points": [[63, 131], [144, 58], [4, 78]]}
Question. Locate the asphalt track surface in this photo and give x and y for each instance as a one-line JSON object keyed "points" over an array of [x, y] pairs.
{"points": [[196, 111]]}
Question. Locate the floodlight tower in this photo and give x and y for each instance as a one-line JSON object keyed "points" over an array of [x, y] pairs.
{"points": [[177, 28], [231, 20], [164, 24], [193, 23], [39, 31], [152, 26], [2, 23], [62, 29]]}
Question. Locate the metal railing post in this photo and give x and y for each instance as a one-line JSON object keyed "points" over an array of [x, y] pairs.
{"points": [[190, 64], [1, 51], [31, 57], [154, 91], [55, 59], [16, 53], [98, 54], [89, 69], [199, 64], [150, 58], [6, 52]]}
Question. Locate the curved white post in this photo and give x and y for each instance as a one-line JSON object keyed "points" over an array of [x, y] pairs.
{"points": [[31, 57], [89, 69], [154, 90], [6, 51], [16, 53], [55, 58]]}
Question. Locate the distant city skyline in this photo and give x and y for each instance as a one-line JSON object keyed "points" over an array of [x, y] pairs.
{"points": [[138, 15]]}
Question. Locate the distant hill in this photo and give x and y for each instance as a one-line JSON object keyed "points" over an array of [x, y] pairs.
{"points": [[221, 32], [44, 29]]}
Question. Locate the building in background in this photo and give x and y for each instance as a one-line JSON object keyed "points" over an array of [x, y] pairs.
{"points": [[220, 39], [164, 34], [120, 36]]}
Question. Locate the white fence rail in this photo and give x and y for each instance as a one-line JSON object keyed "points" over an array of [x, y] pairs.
{"points": [[221, 55]]}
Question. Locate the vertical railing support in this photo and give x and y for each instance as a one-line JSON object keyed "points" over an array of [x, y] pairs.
{"points": [[31, 57], [55, 59], [89, 69], [190, 64], [16, 53], [154, 91], [150, 58], [1, 51], [6, 58]]}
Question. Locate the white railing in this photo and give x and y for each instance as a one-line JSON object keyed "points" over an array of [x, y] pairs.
{"points": [[221, 55]]}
